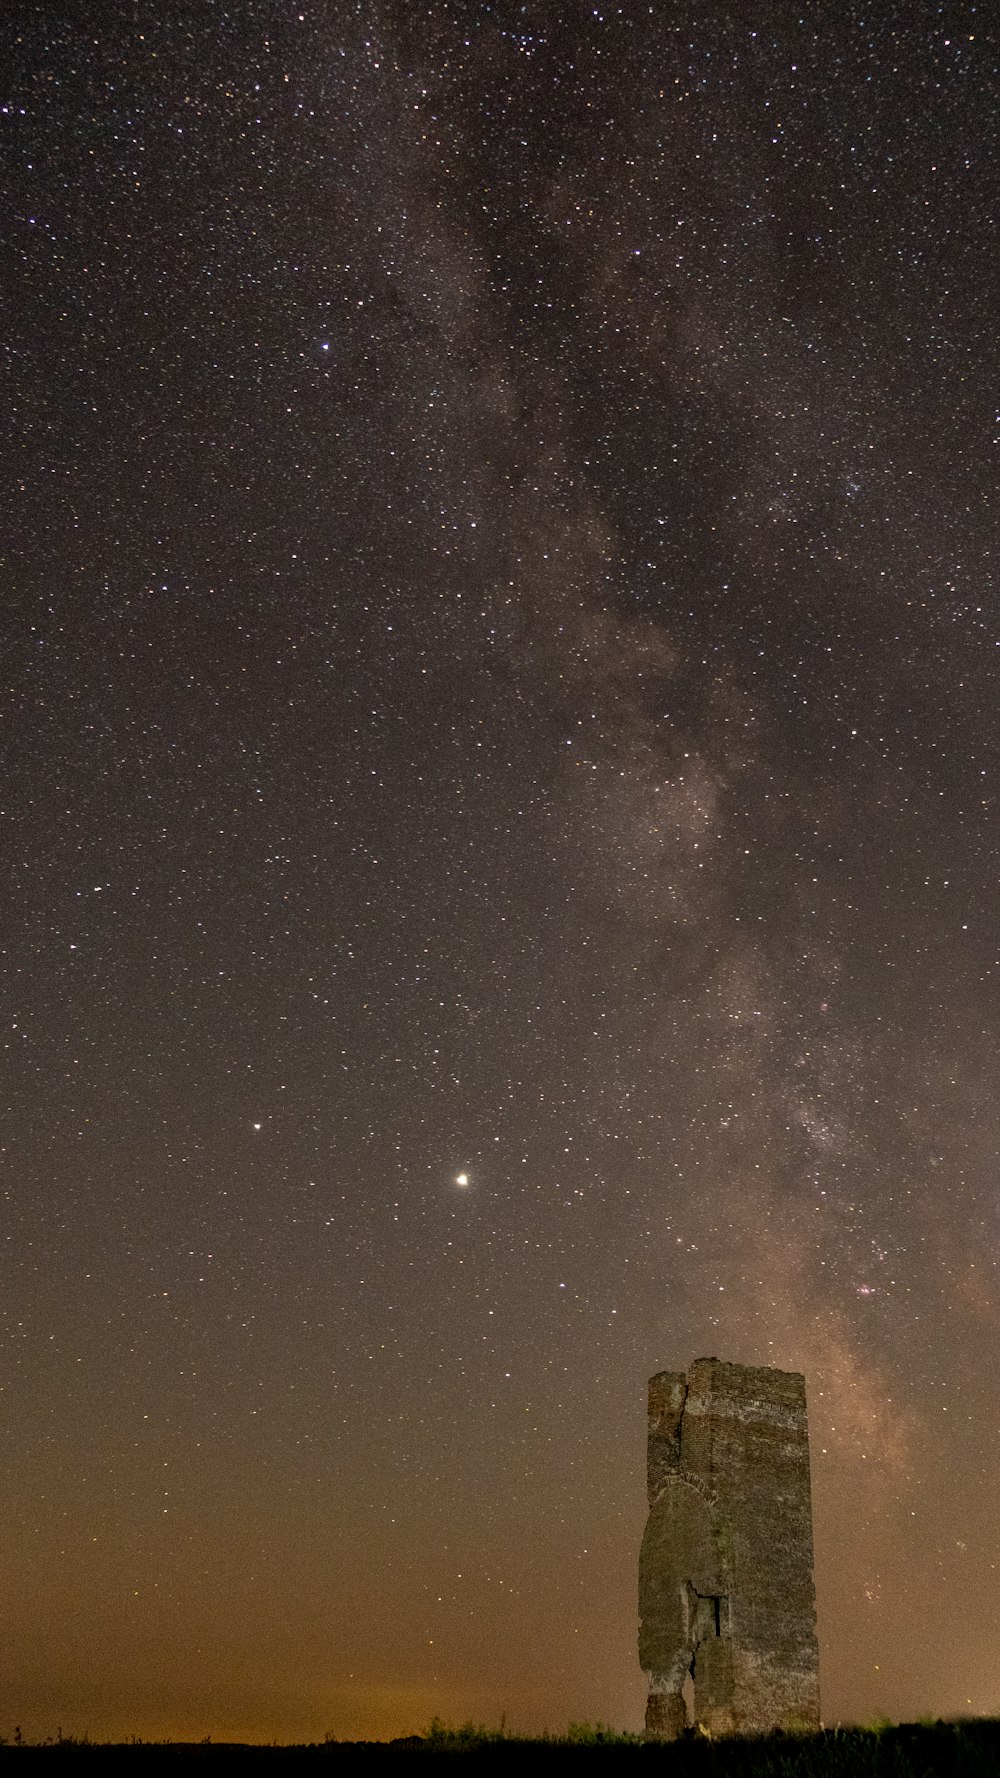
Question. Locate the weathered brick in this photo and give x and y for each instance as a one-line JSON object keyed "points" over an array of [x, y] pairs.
{"points": [[725, 1571]]}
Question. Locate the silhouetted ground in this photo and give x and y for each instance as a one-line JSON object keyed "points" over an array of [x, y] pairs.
{"points": [[906, 1750]]}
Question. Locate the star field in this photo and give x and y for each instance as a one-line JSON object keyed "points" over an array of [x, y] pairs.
{"points": [[499, 811]]}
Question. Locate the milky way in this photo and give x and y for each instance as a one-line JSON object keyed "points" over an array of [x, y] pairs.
{"points": [[500, 821]]}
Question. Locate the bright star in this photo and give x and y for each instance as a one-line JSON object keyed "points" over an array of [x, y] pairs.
{"points": [[461, 1179]]}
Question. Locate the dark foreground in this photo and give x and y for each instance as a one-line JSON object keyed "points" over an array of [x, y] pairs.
{"points": [[906, 1750]]}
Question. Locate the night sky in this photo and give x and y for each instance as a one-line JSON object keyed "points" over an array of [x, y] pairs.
{"points": [[500, 830]]}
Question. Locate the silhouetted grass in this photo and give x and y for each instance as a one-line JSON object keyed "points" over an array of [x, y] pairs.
{"points": [[883, 1750], [901, 1750]]}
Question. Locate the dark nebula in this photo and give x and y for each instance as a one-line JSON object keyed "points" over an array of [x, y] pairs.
{"points": [[499, 814]]}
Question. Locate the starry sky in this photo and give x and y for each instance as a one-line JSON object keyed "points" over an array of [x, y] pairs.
{"points": [[500, 831]]}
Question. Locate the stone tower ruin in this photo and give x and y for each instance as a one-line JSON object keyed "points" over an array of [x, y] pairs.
{"points": [[726, 1603]]}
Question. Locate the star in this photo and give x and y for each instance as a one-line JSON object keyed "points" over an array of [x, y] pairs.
{"points": [[645, 839]]}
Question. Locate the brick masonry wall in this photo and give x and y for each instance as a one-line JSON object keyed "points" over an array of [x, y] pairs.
{"points": [[725, 1583]]}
